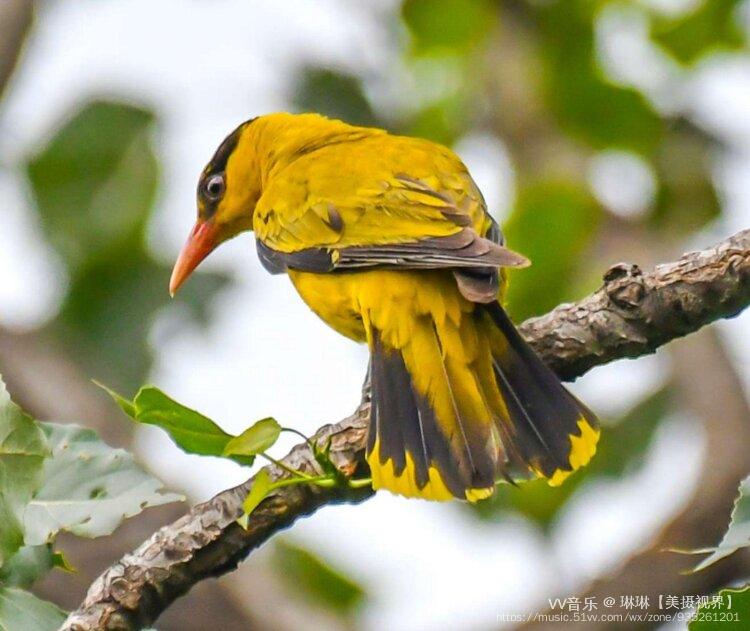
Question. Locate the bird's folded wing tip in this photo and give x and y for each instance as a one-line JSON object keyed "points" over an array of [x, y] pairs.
{"points": [[505, 257]]}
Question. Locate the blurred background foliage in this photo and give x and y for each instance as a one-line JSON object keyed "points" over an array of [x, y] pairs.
{"points": [[94, 185], [532, 75], [558, 221], [314, 579]]}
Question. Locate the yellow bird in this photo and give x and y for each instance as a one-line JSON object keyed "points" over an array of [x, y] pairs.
{"points": [[388, 240]]}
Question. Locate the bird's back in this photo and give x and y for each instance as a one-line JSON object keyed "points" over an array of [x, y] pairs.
{"points": [[368, 189], [388, 240]]}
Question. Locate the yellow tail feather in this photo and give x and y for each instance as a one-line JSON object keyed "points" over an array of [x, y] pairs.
{"points": [[384, 477]]}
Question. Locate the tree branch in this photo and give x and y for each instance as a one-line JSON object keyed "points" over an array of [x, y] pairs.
{"points": [[635, 313], [632, 314]]}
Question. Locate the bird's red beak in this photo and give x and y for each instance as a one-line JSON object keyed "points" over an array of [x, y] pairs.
{"points": [[201, 242]]}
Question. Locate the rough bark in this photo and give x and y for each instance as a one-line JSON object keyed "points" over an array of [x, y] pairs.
{"points": [[635, 312], [631, 315]]}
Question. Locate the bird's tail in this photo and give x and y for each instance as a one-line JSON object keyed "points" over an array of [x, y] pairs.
{"points": [[458, 404]]}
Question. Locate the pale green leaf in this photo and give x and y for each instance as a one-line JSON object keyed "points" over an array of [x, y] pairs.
{"points": [[31, 563], [27, 566], [261, 487], [738, 533], [94, 182], [23, 449], [22, 611], [88, 488], [256, 439]]}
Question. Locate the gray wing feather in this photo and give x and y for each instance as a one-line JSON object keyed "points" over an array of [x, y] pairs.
{"points": [[474, 259]]}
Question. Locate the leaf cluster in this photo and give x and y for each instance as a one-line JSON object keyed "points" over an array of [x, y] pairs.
{"points": [[56, 478], [197, 434]]}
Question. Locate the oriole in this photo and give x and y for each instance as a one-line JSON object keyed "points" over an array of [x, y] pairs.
{"points": [[388, 239]]}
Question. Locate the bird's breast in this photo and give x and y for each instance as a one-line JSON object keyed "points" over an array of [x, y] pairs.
{"points": [[390, 300], [333, 298]]}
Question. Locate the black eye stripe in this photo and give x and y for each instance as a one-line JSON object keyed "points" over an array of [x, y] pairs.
{"points": [[215, 168], [228, 145]]}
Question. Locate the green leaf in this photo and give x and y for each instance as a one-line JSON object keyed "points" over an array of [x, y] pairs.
{"points": [[190, 430], [575, 89], [713, 25], [109, 312], [87, 488], [30, 563], [259, 490], [553, 224], [442, 121], [60, 561], [448, 24], [316, 579], [729, 610], [686, 200], [20, 610], [737, 535], [333, 93], [256, 439], [124, 404], [623, 446], [94, 185], [27, 566], [23, 448], [94, 182]]}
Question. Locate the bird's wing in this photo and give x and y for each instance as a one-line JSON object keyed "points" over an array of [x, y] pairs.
{"points": [[367, 219], [465, 249]]}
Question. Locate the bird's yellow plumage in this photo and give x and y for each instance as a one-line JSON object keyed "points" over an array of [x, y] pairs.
{"points": [[388, 240]]}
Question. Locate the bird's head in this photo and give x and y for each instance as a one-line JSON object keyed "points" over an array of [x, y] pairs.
{"points": [[232, 182], [228, 190]]}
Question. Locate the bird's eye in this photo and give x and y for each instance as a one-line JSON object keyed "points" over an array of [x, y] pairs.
{"points": [[214, 187]]}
